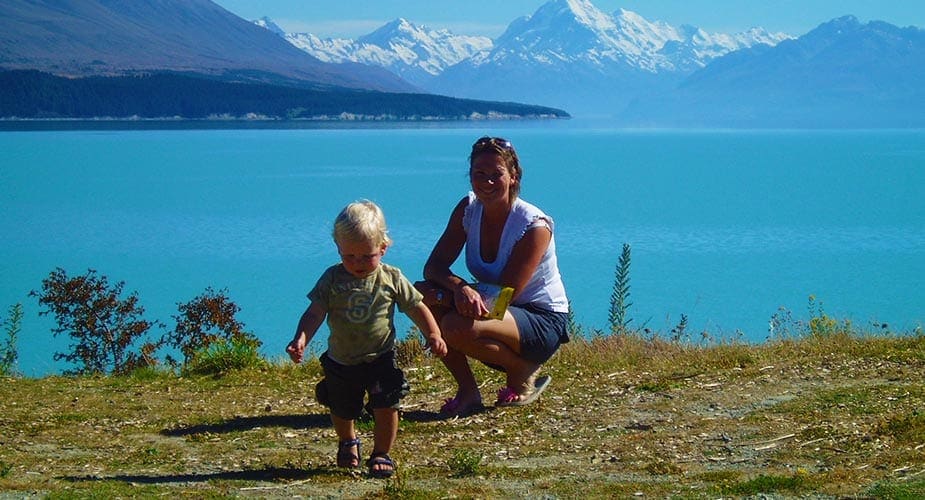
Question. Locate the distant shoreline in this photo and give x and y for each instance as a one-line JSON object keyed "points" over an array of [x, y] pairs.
{"points": [[54, 124]]}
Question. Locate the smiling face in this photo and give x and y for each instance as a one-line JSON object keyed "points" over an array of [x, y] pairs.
{"points": [[491, 179], [494, 170], [360, 258]]}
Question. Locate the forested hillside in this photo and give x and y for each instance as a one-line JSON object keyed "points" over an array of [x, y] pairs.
{"points": [[36, 95]]}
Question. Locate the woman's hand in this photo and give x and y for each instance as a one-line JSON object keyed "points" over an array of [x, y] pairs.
{"points": [[468, 302]]}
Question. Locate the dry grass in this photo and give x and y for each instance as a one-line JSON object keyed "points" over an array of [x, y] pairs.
{"points": [[832, 416]]}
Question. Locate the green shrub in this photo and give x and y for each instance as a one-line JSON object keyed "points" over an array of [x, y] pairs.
{"points": [[574, 329], [205, 320], [899, 490], [8, 355], [150, 373], [679, 332], [223, 356], [465, 463], [907, 428], [5, 469], [410, 351], [619, 297], [820, 325], [765, 484]]}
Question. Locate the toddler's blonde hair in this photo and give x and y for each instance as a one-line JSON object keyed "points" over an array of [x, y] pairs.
{"points": [[362, 221]]}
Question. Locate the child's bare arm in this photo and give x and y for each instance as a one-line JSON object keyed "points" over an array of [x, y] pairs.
{"points": [[308, 325], [424, 320]]}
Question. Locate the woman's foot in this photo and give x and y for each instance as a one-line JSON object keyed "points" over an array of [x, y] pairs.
{"points": [[462, 405], [523, 381], [508, 396]]}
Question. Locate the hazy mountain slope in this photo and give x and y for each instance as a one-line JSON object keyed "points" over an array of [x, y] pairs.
{"points": [[87, 37], [841, 74]]}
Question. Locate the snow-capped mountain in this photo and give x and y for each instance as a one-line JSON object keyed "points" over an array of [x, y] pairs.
{"points": [[267, 23], [841, 74], [569, 31], [415, 53], [568, 54], [570, 44]]}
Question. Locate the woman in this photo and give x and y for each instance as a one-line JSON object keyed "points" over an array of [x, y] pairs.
{"points": [[508, 242]]}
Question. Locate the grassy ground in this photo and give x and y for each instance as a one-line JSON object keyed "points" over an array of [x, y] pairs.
{"points": [[825, 417]]}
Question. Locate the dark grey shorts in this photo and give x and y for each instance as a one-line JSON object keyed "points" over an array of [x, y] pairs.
{"points": [[541, 331], [344, 386]]}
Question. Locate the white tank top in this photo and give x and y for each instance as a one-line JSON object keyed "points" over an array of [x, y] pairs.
{"points": [[545, 289]]}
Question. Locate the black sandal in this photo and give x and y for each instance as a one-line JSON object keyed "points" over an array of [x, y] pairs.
{"points": [[380, 458], [345, 455]]}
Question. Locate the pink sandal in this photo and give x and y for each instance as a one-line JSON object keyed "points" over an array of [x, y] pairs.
{"points": [[509, 397], [453, 408]]}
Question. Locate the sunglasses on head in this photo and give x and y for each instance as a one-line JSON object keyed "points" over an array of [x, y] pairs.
{"points": [[496, 143]]}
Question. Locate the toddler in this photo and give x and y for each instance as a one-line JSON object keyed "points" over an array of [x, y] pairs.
{"points": [[358, 297]]}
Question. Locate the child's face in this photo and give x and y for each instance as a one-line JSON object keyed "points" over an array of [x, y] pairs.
{"points": [[360, 258]]}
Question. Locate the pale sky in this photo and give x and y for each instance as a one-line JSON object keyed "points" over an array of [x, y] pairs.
{"points": [[353, 18]]}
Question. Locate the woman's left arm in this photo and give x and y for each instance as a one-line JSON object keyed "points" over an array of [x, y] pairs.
{"points": [[525, 257]]}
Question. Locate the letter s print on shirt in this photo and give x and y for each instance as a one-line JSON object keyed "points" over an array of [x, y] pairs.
{"points": [[358, 306]]}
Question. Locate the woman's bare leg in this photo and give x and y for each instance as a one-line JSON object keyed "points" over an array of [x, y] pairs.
{"points": [[493, 341], [467, 392]]}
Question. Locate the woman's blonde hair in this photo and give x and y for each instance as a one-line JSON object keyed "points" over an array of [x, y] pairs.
{"points": [[362, 221]]}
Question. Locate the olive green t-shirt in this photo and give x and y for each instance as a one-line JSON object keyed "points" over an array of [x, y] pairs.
{"points": [[360, 311]]}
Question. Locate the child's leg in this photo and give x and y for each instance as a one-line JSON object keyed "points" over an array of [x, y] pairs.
{"points": [[386, 428], [385, 432], [346, 433], [344, 428]]}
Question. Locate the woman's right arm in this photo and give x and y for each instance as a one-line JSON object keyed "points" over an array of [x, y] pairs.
{"points": [[447, 250], [465, 300]]}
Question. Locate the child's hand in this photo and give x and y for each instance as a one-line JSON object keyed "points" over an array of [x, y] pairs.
{"points": [[437, 346], [296, 349]]}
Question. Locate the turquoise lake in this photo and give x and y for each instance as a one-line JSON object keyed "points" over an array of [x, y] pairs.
{"points": [[726, 227]]}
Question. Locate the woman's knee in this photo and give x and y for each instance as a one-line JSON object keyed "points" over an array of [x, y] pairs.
{"points": [[455, 328]]}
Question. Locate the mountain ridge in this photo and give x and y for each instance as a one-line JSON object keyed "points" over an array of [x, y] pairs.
{"points": [[641, 73], [193, 59], [413, 52], [544, 57], [842, 73], [106, 37], [32, 95]]}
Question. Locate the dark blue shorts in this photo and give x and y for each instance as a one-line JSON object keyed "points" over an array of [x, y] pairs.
{"points": [[344, 386], [541, 331]]}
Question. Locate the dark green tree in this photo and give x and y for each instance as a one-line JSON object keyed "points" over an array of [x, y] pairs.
{"points": [[104, 326], [573, 328], [205, 320], [619, 298], [8, 355]]}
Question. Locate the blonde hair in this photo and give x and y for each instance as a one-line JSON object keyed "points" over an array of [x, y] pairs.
{"points": [[362, 221]]}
